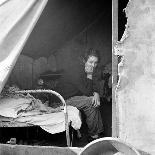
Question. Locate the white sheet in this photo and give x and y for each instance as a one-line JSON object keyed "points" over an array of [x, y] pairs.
{"points": [[53, 122], [9, 107], [50, 122]]}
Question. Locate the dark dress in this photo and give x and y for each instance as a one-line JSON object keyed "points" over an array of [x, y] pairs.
{"points": [[78, 90]]}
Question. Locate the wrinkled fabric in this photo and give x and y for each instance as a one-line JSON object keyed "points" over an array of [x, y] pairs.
{"points": [[10, 107], [53, 122], [17, 20], [93, 115], [31, 111]]}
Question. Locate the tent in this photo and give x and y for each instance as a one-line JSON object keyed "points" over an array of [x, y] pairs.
{"points": [[38, 28], [33, 32]]}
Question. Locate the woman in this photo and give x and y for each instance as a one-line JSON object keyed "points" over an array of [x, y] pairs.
{"points": [[80, 90]]}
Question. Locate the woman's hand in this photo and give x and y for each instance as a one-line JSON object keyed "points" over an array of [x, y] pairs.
{"points": [[89, 69], [96, 100]]}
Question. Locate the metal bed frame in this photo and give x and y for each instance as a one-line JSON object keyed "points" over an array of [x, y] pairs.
{"points": [[67, 124]]}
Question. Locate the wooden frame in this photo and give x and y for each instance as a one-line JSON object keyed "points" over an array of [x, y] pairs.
{"points": [[115, 132]]}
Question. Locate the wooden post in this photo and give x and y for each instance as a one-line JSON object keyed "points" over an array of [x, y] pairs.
{"points": [[115, 132]]}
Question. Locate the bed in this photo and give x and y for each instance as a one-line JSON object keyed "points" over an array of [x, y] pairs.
{"points": [[13, 114]]}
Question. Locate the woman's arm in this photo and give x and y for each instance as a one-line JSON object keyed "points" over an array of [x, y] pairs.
{"points": [[97, 87], [86, 88]]}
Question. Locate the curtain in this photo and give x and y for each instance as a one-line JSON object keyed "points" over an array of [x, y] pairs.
{"points": [[17, 20]]}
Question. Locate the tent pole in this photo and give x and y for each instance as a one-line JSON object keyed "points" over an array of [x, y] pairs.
{"points": [[115, 131]]}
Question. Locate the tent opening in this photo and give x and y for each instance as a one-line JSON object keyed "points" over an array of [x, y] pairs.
{"points": [[64, 31]]}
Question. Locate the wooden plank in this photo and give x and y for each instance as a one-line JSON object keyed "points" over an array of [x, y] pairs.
{"points": [[114, 66], [37, 150]]}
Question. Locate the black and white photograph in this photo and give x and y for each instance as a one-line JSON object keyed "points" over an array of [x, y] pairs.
{"points": [[77, 77]]}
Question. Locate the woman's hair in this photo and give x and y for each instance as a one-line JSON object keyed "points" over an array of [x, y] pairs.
{"points": [[91, 52]]}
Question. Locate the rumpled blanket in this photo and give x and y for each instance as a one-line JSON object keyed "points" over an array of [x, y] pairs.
{"points": [[26, 109], [52, 122], [11, 107]]}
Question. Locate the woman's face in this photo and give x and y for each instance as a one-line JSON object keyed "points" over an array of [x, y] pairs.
{"points": [[90, 64]]}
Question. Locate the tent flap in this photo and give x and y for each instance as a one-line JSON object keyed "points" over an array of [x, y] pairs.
{"points": [[17, 20]]}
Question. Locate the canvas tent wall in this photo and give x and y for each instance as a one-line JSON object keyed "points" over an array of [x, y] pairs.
{"points": [[17, 20]]}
